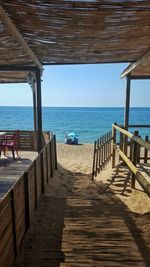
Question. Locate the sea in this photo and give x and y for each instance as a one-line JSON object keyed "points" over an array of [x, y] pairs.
{"points": [[89, 123]]}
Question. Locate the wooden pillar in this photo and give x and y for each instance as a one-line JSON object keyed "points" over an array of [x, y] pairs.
{"points": [[126, 114], [127, 104], [31, 81], [39, 109], [34, 107]]}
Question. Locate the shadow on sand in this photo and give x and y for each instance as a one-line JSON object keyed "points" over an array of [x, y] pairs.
{"points": [[71, 229]]}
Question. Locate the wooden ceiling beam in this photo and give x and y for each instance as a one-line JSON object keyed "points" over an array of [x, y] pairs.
{"points": [[135, 64], [18, 37]]}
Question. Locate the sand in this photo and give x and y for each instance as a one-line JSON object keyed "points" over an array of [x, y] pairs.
{"points": [[79, 159], [115, 217]]}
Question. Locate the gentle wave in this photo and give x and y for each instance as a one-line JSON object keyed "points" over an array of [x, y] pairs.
{"points": [[89, 123]]}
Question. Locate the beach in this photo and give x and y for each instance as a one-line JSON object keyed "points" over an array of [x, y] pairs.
{"points": [[75, 208]]}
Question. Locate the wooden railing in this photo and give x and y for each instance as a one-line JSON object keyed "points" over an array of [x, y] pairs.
{"points": [[129, 148], [27, 140], [102, 153], [19, 204]]}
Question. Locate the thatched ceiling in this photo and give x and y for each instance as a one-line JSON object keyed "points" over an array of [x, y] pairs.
{"points": [[69, 31]]}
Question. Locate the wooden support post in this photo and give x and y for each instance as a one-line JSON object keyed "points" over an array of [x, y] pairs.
{"points": [[96, 162], [134, 159], [113, 148], [34, 109], [39, 109], [110, 140], [93, 171], [55, 150], [138, 152], [145, 151], [51, 160], [126, 115], [99, 159]]}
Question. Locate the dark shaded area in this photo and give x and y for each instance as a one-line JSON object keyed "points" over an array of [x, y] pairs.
{"points": [[83, 230]]}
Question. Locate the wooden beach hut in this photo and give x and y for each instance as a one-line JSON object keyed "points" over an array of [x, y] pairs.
{"points": [[38, 33]]}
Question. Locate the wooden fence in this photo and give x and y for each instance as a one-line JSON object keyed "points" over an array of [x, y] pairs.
{"points": [[132, 150], [102, 153], [27, 140], [19, 204]]}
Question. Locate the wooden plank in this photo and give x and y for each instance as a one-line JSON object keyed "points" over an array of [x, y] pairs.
{"points": [[145, 151], [48, 162], [134, 159], [5, 219], [14, 223], [32, 190], [139, 177], [55, 151], [7, 255], [50, 158], [27, 203], [38, 177], [135, 64], [140, 141], [45, 168], [18, 37], [113, 143], [20, 211]]}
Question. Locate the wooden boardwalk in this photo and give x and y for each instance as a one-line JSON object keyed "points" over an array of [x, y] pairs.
{"points": [[80, 230], [10, 169]]}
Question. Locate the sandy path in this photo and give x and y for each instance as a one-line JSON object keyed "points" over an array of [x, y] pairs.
{"points": [[85, 223]]}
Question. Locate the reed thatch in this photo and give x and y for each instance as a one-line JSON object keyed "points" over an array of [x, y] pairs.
{"points": [[76, 32]]}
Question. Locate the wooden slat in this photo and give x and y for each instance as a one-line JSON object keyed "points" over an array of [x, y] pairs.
{"points": [[140, 141], [32, 189], [38, 177], [19, 38]]}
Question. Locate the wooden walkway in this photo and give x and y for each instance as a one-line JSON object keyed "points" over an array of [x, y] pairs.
{"points": [[10, 169], [80, 230]]}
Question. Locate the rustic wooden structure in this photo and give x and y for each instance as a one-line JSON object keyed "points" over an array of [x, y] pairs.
{"points": [[102, 153], [27, 140], [18, 205], [133, 155], [73, 32]]}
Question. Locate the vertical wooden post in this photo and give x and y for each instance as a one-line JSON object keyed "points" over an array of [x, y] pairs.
{"points": [[145, 151], [138, 152], [51, 160], [134, 159], [113, 148], [34, 108], [99, 159], [93, 171], [39, 109], [55, 151], [126, 115]]}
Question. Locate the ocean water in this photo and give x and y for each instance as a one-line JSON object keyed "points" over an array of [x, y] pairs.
{"points": [[89, 123]]}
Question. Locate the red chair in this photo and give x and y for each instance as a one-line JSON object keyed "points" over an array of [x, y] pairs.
{"points": [[10, 143]]}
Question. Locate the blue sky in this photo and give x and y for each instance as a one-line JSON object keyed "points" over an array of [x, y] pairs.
{"points": [[79, 85]]}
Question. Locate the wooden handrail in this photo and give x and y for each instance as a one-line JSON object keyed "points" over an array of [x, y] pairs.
{"points": [[135, 138], [134, 157], [139, 177]]}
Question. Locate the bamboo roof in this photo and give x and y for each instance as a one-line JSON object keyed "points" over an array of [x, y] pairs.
{"points": [[74, 31]]}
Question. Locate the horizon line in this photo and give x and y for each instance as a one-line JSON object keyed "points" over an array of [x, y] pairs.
{"points": [[44, 106]]}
